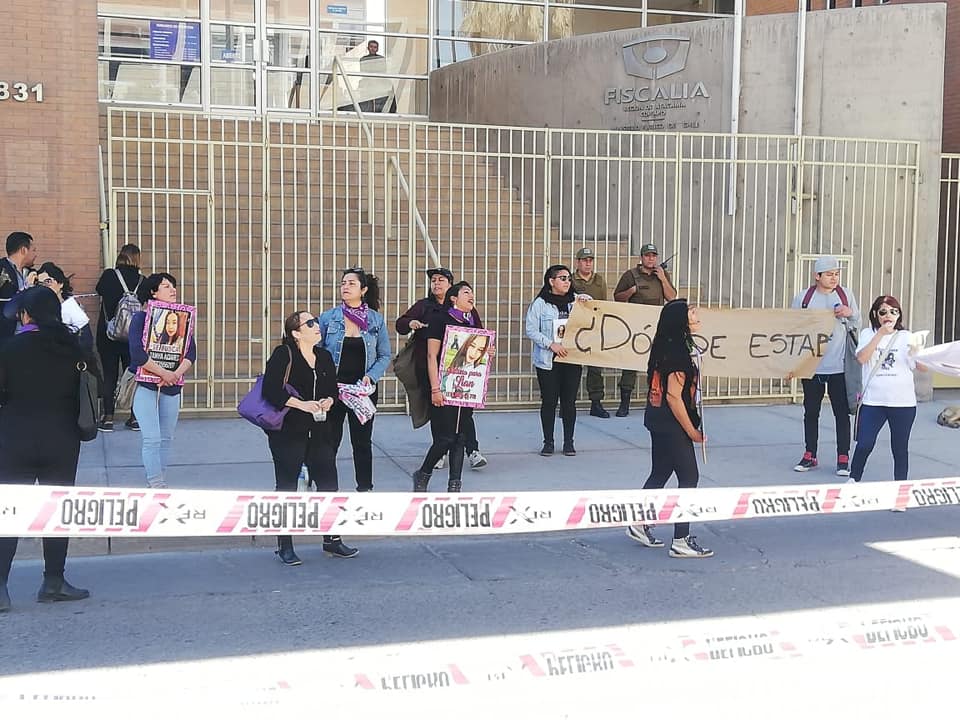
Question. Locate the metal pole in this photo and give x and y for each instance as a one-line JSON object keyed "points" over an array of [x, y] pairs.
{"points": [[801, 58], [735, 107]]}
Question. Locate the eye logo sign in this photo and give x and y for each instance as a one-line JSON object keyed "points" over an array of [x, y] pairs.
{"points": [[656, 57]]}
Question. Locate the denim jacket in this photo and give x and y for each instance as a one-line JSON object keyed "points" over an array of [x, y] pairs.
{"points": [[539, 328], [376, 340]]}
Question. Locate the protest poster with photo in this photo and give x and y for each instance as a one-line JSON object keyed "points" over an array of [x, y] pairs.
{"points": [[559, 329], [166, 336], [465, 366]]}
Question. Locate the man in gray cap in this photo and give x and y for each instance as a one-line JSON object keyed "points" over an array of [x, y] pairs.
{"points": [[647, 284], [827, 294], [588, 282]]}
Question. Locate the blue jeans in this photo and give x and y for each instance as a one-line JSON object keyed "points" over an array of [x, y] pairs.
{"points": [[157, 414], [872, 419]]}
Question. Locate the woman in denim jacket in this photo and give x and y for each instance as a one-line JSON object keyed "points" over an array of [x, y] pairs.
{"points": [[559, 382], [355, 334]]}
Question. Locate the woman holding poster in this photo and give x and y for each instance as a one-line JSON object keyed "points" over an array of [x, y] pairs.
{"points": [[458, 351], [162, 351], [673, 419]]}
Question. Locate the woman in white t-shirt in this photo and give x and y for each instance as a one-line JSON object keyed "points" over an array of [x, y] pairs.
{"points": [[73, 316], [888, 362]]}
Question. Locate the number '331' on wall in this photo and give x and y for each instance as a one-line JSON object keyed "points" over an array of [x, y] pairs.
{"points": [[20, 91]]}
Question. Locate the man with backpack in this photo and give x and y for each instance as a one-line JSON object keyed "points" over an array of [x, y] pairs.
{"points": [[827, 294], [647, 284], [117, 289]]}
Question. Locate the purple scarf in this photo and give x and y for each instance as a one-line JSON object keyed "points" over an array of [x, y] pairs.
{"points": [[29, 327], [461, 316], [358, 315]]}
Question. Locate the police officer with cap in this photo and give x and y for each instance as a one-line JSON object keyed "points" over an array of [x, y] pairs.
{"points": [[587, 282], [648, 283]]}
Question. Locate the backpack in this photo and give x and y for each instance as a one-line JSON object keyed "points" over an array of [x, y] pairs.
{"points": [[118, 327], [808, 296]]}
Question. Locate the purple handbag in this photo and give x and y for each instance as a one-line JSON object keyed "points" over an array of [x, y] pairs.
{"points": [[255, 408]]}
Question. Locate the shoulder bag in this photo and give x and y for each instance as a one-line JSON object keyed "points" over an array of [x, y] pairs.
{"points": [[88, 394], [255, 408]]}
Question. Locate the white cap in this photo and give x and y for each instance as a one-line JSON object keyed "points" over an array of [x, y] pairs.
{"points": [[825, 264]]}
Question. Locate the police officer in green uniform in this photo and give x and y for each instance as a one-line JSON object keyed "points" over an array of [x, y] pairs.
{"points": [[587, 282], [646, 284]]}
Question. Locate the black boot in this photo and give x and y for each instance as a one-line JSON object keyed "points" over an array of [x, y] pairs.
{"points": [[596, 409], [547, 448], [56, 589], [420, 481], [285, 552], [4, 598], [568, 449], [333, 545], [624, 408], [456, 470]]}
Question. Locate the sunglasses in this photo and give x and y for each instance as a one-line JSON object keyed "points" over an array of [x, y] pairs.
{"points": [[561, 277], [355, 270], [311, 323], [891, 311]]}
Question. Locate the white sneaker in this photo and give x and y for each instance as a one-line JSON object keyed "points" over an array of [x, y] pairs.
{"points": [[688, 547], [157, 483], [642, 535], [477, 460], [440, 463], [851, 481]]}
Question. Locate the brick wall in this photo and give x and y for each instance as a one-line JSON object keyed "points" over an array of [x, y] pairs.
{"points": [[48, 150]]}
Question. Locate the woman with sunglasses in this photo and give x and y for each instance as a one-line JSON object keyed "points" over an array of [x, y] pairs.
{"points": [[301, 364], [355, 335], [888, 362], [74, 317], [559, 382]]}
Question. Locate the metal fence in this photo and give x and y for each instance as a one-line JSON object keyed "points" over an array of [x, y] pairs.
{"points": [[256, 215], [947, 326]]}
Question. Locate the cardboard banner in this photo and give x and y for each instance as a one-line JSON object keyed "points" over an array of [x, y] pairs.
{"points": [[166, 336], [745, 343], [465, 366]]}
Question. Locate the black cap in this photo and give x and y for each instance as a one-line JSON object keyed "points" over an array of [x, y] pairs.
{"points": [[440, 271]]}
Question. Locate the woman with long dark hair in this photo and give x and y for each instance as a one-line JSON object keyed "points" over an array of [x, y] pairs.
{"points": [[449, 425], [123, 277], [355, 335], [888, 362], [40, 441], [304, 438], [673, 419], [53, 278], [559, 382]]}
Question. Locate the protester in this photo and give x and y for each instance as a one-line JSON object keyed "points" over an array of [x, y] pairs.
{"points": [[156, 407], [21, 254], [74, 317], [828, 294], [648, 283], [113, 284], [39, 386], [449, 424], [304, 438], [587, 282], [559, 382], [356, 336], [888, 361], [416, 319], [673, 419]]}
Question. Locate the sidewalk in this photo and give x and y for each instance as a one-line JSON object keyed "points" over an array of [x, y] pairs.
{"points": [[747, 446]]}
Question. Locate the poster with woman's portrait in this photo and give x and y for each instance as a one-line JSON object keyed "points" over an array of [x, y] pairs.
{"points": [[166, 336], [465, 366]]}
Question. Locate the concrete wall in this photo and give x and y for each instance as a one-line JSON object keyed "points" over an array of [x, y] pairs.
{"points": [[48, 150]]}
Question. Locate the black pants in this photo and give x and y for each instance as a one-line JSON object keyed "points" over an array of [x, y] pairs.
{"points": [[115, 358], [871, 421], [50, 460], [559, 385], [292, 451], [361, 439], [673, 452], [449, 427], [472, 444], [813, 390]]}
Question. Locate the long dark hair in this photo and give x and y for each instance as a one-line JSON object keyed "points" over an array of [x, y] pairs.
{"points": [[875, 308], [545, 291], [48, 268], [368, 281], [672, 343], [43, 307], [129, 256]]}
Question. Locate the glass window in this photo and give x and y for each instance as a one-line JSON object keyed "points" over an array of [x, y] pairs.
{"points": [[151, 8], [122, 81], [232, 10], [377, 95], [233, 86], [288, 90], [173, 40], [658, 19], [450, 51], [289, 12], [288, 48], [409, 16], [695, 6], [467, 18], [395, 55], [565, 22], [232, 43]]}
